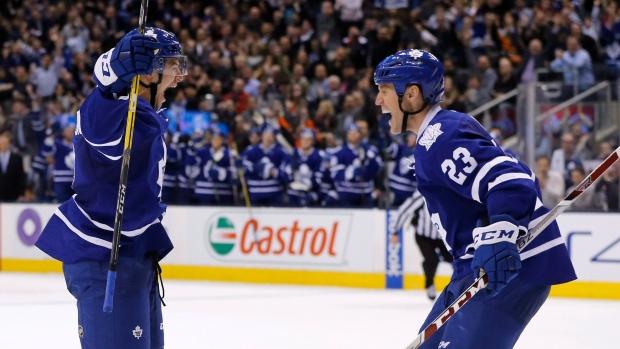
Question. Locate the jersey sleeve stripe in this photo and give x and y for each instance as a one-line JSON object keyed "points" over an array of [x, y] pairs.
{"points": [[542, 248], [130, 233], [475, 188], [92, 240], [507, 177]]}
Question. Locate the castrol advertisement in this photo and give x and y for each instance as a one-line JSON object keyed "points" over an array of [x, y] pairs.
{"points": [[278, 237], [313, 239]]}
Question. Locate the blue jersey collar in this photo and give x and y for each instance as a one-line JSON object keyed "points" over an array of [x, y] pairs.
{"points": [[428, 118]]}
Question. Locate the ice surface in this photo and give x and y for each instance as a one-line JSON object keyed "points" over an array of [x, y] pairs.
{"points": [[36, 311]]}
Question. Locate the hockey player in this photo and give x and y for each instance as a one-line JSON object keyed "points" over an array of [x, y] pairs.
{"points": [[327, 191], [481, 201], [214, 184], [306, 164], [267, 170], [402, 178], [353, 168], [59, 153], [427, 238], [173, 167], [80, 232]]}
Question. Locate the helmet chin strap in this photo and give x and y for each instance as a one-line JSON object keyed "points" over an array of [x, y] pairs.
{"points": [[153, 87], [403, 128]]}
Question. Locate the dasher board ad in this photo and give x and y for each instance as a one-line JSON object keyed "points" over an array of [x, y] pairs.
{"points": [[276, 238]]}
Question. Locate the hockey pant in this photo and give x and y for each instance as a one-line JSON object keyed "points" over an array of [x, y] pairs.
{"points": [[347, 199], [273, 199], [222, 200], [136, 319], [485, 322], [431, 249]]}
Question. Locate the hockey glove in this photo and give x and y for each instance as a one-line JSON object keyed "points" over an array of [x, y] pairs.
{"points": [[496, 252], [134, 55]]}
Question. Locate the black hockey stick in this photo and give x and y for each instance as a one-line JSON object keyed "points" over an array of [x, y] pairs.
{"points": [[122, 187], [545, 220]]}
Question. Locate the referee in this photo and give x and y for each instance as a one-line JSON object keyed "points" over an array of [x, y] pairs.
{"points": [[426, 236]]}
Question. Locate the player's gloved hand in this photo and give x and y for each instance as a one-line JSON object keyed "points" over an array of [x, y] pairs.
{"points": [[134, 55], [496, 252], [238, 163]]}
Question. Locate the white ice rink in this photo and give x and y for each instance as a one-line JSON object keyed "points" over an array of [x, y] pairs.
{"points": [[36, 311]]}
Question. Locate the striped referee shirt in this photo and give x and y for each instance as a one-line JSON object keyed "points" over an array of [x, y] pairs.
{"points": [[413, 207]]}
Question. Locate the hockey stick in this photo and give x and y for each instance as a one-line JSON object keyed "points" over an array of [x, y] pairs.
{"points": [[244, 185], [545, 220], [122, 187]]}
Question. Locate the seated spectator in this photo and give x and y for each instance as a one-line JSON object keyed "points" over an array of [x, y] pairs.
{"points": [[12, 176], [576, 65], [564, 159], [238, 96], [551, 182], [475, 95], [453, 99], [608, 190], [506, 81], [589, 200]]}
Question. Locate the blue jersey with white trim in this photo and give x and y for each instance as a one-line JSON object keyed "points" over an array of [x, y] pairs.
{"points": [[81, 228], [173, 165], [353, 169], [466, 178], [64, 159], [402, 179], [258, 163], [214, 177], [307, 171]]}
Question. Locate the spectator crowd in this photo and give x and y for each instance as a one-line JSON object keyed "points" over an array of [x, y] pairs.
{"points": [[280, 93]]}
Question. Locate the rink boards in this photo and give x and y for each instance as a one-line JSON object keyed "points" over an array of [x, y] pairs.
{"points": [[338, 247]]}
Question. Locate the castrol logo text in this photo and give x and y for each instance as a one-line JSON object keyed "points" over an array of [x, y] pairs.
{"points": [[278, 238]]}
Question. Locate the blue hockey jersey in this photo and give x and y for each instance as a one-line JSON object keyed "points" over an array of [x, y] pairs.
{"points": [[466, 178], [402, 178], [258, 163], [354, 169], [81, 228], [64, 159], [306, 174], [214, 178], [173, 165]]}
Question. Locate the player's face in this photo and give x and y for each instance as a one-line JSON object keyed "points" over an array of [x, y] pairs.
{"points": [[254, 138], [306, 142], [387, 99], [268, 138], [354, 136], [217, 142], [171, 77]]}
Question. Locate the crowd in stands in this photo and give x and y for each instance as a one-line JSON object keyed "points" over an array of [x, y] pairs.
{"points": [[297, 75]]}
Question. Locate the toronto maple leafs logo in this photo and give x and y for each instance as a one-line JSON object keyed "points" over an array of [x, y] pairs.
{"points": [[137, 332], [415, 53], [430, 135]]}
